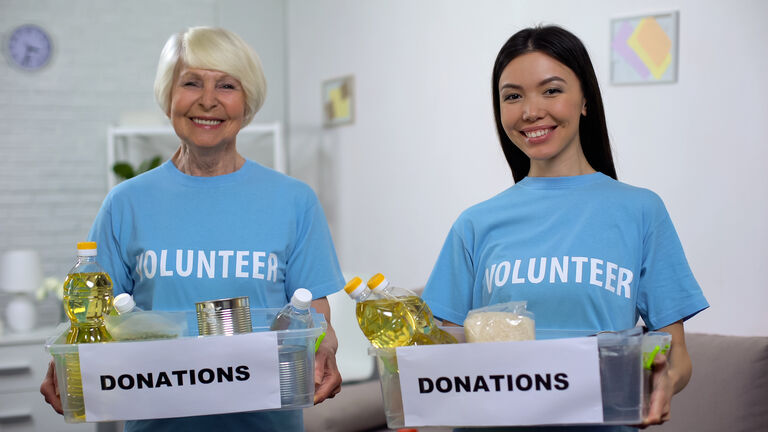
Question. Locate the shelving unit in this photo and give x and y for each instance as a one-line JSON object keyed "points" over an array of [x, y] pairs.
{"points": [[120, 139], [23, 364]]}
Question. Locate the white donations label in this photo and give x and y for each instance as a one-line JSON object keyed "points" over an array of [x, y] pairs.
{"points": [[180, 377], [501, 383]]}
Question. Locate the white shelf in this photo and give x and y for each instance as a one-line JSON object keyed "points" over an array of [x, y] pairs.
{"points": [[122, 136]]}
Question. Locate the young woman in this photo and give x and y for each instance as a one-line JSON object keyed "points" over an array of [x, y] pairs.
{"points": [[584, 250]]}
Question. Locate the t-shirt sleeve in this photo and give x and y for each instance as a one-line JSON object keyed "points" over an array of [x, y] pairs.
{"points": [[312, 262], [109, 253], [449, 289], [668, 291]]}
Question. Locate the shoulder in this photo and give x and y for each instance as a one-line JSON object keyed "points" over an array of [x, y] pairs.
{"points": [[641, 198], [484, 209], [146, 179], [635, 203], [484, 213], [284, 185]]}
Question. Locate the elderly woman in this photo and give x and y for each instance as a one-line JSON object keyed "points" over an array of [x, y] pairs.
{"points": [[211, 224]]}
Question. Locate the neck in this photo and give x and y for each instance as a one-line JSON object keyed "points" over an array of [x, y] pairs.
{"points": [[206, 162], [571, 162], [550, 169]]}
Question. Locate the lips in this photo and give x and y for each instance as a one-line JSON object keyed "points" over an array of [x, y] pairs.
{"points": [[539, 134]]}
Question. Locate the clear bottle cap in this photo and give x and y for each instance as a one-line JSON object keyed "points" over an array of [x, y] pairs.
{"points": [[301, 299], [86, 249], [124, 303]]}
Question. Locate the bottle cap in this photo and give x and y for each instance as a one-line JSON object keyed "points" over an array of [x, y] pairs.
{"points": [[301, 299], [86, 249], [378, 281], [123, 303], [354, 287]]}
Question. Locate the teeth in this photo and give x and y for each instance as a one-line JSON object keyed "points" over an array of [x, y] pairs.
{"points": [[206, 122], [537, 133]]}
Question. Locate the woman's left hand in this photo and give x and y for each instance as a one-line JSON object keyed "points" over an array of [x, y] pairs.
{"points": [[662, 390], [669, 374], [327, 376]]}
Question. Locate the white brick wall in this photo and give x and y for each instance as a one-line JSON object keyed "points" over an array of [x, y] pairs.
{"points": [[54, 122]]}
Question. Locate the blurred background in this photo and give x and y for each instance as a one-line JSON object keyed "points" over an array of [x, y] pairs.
{"points": [[422, 146]]}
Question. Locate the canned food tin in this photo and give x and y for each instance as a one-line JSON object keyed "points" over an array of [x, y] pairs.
{"points": [[224, 316], [296, 380]]}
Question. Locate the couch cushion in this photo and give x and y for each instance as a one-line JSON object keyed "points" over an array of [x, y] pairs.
{"points": [[358, 407], [728, 390]]}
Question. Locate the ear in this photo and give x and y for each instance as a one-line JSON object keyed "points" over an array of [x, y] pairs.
{"points": [[584, 109]]}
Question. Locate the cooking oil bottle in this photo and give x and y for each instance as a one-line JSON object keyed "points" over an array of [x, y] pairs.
{"points": [[87, 298], [385, 322], [427, 331]]}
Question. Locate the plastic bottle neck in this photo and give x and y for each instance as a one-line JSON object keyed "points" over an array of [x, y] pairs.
{"points": [[362, 295], [298, 310], [86, 258]]}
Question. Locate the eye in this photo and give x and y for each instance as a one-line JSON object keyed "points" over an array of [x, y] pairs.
{"points": [[511, 97], [189, 84], [552, 91]]}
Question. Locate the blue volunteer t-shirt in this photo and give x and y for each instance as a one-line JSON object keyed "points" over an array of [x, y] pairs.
{"points": [[586, 252], [172, 240]]}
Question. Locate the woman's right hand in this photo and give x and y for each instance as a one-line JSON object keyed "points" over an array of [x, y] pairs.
{"points": [[50, 388]]}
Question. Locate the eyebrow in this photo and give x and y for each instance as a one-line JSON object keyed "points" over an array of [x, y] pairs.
{"points": [[541, 83], [189, 74]]}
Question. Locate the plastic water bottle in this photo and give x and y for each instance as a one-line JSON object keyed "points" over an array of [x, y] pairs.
{"points": [[124, 304], [294, 349], [295, 315]]}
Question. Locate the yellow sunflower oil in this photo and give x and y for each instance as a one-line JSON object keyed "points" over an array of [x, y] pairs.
{"points": [[87, 298]]}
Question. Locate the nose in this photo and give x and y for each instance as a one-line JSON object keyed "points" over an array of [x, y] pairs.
{"points": [[531, 111], [208, 98]]}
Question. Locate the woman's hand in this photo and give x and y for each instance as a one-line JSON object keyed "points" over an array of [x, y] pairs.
{"points": [[327, 376], [662, 390], [50, 388], [670, 374]]}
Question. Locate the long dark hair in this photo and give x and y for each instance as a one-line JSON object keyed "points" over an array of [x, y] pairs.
{"points": [[565, 47]]}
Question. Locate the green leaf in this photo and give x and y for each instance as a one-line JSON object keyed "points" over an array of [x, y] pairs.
{"points": [[149, 164], [123, 170]]}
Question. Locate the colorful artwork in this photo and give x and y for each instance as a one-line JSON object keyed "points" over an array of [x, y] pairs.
{"points": [[338, 101], [644, 49]]}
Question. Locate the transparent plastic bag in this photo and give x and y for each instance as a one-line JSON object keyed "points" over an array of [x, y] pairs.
{"points": [[147, 325], [499, 323]]}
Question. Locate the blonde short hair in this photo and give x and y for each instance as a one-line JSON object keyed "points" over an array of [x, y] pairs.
{"points": [[214, 49]]}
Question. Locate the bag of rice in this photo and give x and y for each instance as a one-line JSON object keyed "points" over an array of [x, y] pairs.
{"points": [[499, 323]]}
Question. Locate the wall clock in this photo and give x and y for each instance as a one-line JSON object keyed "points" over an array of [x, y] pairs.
{"points": [[29, 47]]}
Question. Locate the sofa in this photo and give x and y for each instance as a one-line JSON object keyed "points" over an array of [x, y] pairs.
{"points": [[729, 388], [728, 392]]}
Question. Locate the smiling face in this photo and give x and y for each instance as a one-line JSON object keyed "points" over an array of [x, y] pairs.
{"points": [[207, 107], [541, 103]]}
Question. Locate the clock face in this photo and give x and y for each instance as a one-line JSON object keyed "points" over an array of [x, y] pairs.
{"points": [[30, 47]]}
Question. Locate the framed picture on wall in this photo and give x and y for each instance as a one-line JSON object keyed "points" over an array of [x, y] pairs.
{"points": [[339, 101], [644, 49]]}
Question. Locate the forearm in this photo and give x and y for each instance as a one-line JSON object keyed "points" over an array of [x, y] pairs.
{"points": [[330, 341], [680, 367]]}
